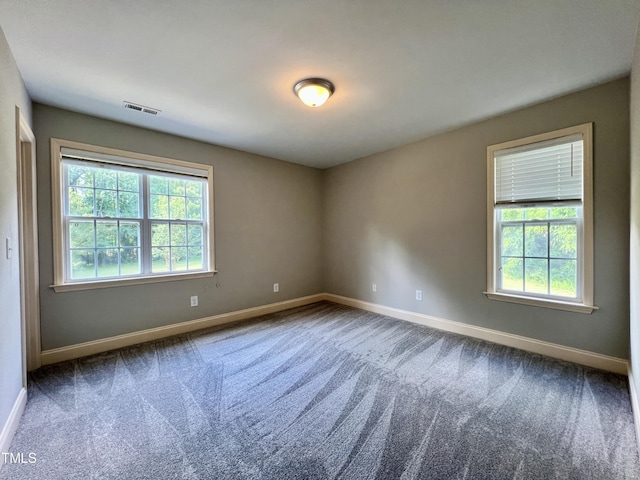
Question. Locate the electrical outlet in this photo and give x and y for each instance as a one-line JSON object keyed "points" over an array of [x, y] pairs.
{"points": [[374, 287], [194, 301], [276, 287], [419, 295]]}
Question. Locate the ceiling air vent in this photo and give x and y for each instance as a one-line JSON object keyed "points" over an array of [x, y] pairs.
{"points": [[140, 108]]}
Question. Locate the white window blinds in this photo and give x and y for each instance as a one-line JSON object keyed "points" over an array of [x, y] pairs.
{"points": [[549, 171], [175, 166]]}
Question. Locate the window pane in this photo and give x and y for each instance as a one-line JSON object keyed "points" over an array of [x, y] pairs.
{"points": [[563, 212], [159, 206], [129, 204], [80, 202], [564, 274], [563, 241], [160, 234], [81, 176], [512, 274], [195, 235], [512, 240], [178, 258], [160, 258], [81, 235], [107, 234], [535, 243], [108, 260], [128, 181], [82, 264], [535, 273], [510, 214], [130, 261], [112, 229], [194, 189], [178, 234], [177, 187], [195, 258], [106, 178], [176, 208], [106, 205], [129, 234], [194, 208], [536, 213], [158, 185]]}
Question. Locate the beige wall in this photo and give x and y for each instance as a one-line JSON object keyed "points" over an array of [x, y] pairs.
{"points": [[415, 218], [267, 230], [12, 94], [634, 260]]}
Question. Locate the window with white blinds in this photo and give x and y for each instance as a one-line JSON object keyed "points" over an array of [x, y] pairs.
{"points": [[539, 217], [548, 171]]}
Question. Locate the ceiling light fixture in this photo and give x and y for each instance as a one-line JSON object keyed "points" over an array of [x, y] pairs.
{"points": [[313, 91]]}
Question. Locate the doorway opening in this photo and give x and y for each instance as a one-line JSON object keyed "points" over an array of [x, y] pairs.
{"points": [[28, 233]]}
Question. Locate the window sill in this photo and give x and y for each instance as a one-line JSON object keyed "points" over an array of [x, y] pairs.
{"points": [[539, 302], [72, 287]]}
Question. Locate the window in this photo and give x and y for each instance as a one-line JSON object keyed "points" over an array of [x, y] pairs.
{"points": [[122, 217], [540, 247]]}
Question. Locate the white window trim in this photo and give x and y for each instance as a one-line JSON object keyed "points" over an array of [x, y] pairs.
{"points": [[57, 196], [586, 282]]}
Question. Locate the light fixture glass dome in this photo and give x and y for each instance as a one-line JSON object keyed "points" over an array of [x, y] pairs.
{"points": [[313, 91]]}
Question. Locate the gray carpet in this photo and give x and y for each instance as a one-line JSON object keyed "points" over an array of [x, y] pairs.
{"points": [[324, 392]]}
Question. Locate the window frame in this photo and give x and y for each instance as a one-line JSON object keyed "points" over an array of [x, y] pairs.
{"points": [[584, 301], [126, 159]]}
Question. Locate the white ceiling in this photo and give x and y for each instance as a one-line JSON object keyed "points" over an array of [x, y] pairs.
{"points": [[222, 71]]}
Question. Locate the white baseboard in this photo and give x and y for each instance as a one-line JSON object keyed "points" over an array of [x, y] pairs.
{"points": [[11, 425], [103, 345], [583, 357], [635, 404], [562, 352]]}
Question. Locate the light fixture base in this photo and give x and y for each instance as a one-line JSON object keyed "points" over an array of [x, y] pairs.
{"points": [[314, 91]]}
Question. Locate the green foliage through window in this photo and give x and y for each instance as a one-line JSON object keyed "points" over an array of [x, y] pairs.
{"points": [[539, 250], [106, 217]]}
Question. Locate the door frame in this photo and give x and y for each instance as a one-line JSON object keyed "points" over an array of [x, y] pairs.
{"points": [[28, 242]]}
